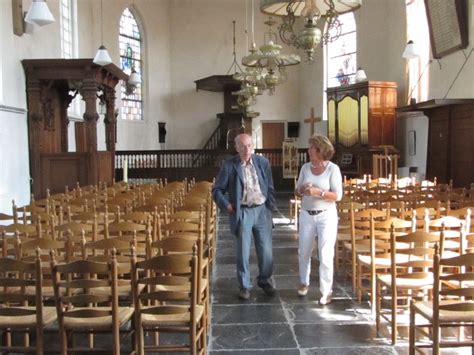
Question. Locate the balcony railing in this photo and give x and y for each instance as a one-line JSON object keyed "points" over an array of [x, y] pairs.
{"points": [[201, 164]]}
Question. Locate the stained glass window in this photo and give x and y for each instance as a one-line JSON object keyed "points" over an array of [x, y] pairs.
{"points": [[130, 58], [341, 54]]}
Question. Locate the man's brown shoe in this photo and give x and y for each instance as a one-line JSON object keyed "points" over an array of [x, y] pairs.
{"points": [[244, 294]]}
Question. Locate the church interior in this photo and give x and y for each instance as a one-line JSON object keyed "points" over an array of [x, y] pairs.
{"points": [[116, 116]]}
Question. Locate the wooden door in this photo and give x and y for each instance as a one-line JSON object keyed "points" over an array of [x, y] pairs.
{"points": [[273, 135]]}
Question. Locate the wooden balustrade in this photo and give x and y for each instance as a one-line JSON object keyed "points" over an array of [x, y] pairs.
{"points": [[201, 164]]}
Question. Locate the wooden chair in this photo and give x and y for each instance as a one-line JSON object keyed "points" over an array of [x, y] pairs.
{"points": [[130, 232], [6, 217], [150, 219], [378, 258], [410, 276], [344, 232], [207, 206], [159, 309], [102, 251], [78, 308], [452, 306], [184, 245], [23, 230], [360, 237], [28, 250], [454, 230], [20, 311], [463, 213]]}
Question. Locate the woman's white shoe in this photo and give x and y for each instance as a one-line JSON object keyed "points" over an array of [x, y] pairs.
{"points": [[325, 299]]}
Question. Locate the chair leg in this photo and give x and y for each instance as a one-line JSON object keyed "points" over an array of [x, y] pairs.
{"points": [[7, 338], [354, 272], [373, 276], [139, 341], [39, 339], [26, 339], [63, 341], [394, 317], [90, 339], [359, 283], [204, 341], [116, 341], [412, 330], [378, 307], [436, 337], [193, 340]]}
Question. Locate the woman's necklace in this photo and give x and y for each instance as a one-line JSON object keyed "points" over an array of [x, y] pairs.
{"points": [[321, 166]]}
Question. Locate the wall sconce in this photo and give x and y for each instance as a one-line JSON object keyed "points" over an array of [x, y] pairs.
{"points": [[38, 14]]}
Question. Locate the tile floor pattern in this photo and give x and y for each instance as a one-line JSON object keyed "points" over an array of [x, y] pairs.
{"points": [[286, 323]]}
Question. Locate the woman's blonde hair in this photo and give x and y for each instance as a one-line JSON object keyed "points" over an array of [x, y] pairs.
{"points": [[323, 145]]}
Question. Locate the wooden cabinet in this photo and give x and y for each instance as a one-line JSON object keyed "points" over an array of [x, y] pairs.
{"points": [[450, 135], [361, 118]]}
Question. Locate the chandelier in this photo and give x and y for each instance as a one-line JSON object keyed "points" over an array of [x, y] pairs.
{"points": [[268, 58], [311, 11]]}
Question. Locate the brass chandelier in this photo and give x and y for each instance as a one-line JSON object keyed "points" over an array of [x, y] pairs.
{"points": [[270, 59], [311, 11]]}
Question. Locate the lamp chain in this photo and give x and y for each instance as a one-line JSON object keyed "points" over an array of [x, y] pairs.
{"points": [[101, 25], [234, 64]]}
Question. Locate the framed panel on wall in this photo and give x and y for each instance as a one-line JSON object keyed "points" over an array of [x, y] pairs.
{"points": [[448, 25]]}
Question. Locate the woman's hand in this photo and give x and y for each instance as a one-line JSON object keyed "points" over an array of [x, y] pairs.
{"points": [[310, 190]]}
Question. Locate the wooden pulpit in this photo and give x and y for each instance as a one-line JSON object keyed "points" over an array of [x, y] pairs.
{"points": [[51, 84]]}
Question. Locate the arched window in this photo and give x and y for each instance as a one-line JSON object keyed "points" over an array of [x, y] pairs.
{"points": [[417, 68], [341, 54], [130, 58]]}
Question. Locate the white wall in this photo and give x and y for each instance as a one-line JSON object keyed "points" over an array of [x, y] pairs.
{"points": [[14, 161], [201, 46]]}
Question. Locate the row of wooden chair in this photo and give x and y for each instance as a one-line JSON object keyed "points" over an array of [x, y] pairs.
{"points": [[166, 298], [391, 250], [178, 227]]}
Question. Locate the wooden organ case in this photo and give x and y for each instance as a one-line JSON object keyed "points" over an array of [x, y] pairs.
{"points": [[361, 121], [51, 85]]}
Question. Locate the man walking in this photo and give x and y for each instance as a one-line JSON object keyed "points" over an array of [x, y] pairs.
{"points": [[247, 179]]}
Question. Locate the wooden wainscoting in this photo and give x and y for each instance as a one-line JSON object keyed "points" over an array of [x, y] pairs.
{"points": [[61, 169]]}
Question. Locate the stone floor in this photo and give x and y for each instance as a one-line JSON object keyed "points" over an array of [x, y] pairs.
{"points": [[286, 323]]}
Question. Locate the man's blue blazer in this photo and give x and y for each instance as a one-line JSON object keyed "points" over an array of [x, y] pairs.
{"points": [[230, 180]]}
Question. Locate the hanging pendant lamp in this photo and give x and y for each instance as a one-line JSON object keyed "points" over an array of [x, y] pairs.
{"points": [[102, 57], [39, 13]]}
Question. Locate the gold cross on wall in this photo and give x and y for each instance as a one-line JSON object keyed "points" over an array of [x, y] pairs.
{"points": [[312, 120]]}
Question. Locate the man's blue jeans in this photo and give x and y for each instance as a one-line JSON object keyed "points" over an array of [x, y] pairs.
{"points": [[256, 221]]}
